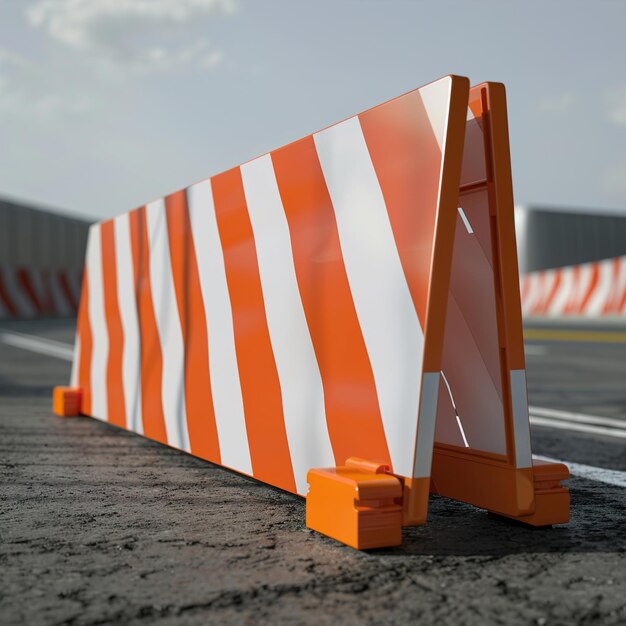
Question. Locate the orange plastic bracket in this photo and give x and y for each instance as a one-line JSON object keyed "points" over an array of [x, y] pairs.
{"points": [[551, 498], [359, 504], [67, 401]]}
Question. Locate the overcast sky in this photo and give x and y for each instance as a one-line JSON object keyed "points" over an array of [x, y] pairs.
{"points": [[106, 104]]}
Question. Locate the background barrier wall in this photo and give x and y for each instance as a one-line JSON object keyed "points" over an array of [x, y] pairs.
{"points": [[585, 291], [41, 261]]}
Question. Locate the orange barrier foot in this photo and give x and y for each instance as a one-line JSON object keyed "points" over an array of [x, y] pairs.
{"points": [[66, 401], [551, 498], [359, 504]]}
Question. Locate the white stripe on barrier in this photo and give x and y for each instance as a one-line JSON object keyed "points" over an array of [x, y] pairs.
{"points": [[435, 98], [423, 456], [75, 362], [602, 291], [59, 298], [126, 296], [169, 329], [519, 400], [15, 292], [99, 333], [531, 294], [550, 278], [225, 384], [583, 287], [300, 379], [391, 329], [559, 302]]}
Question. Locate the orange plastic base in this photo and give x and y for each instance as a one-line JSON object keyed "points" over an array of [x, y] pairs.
{"points": [[532, 496], [551, 498], [358, 504], [66, 401]]}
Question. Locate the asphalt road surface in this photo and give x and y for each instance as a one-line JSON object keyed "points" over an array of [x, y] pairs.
{"points": [[99, 526]]}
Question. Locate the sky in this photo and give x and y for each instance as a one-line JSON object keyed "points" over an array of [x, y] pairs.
{"points": [[108, 104]]}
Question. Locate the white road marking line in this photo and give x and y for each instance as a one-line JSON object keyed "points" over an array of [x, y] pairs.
{"points": [[48, 347], [581, 418], [582, 428], [599, 474]]}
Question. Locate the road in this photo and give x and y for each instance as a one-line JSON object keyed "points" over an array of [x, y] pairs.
{"points": [[99, 526]]}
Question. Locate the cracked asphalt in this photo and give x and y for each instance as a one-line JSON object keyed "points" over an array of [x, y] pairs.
{"points": [[98, 526]]}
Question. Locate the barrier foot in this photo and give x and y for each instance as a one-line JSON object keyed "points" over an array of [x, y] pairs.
{"points": [[552, 503], [359, 504], [67, 401]]}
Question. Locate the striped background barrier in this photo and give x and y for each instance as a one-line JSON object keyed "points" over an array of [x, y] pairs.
{"points": [[28, 292], [352, 295], [589, 290]]}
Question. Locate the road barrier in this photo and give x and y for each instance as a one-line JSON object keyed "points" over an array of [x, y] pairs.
{"points": [[593, 290], [29, 292], [339, 318]]}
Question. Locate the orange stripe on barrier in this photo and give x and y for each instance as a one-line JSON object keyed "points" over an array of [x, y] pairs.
{"points": [[83, 332], [622, 299], [556, 283], [260, 387], [151, 356], [201, 425], [115, 386], [407, 160], [349, 391]]}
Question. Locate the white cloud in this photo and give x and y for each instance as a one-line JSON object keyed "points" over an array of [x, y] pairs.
{"points": [[137, 34], [30, 92], [557, 104], [617, 106]]}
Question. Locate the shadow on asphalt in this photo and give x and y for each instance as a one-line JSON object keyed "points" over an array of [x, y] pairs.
{"points": [[457, 529]]}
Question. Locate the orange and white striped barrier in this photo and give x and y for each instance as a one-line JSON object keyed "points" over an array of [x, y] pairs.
{"points": [[588, 290], [339, 318], [29, 292]]}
